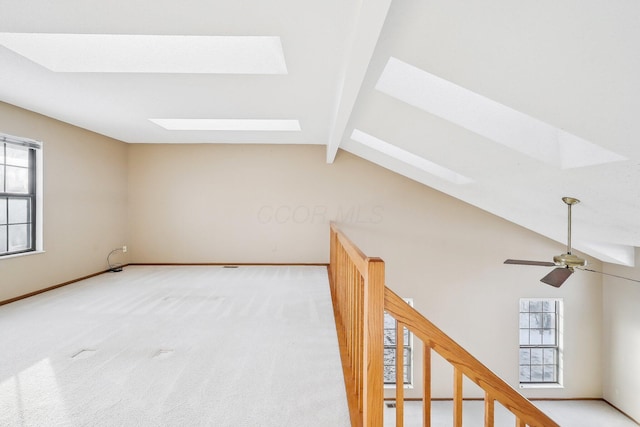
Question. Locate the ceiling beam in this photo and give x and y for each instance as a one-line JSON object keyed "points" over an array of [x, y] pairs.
{"points": [[363, 41]]}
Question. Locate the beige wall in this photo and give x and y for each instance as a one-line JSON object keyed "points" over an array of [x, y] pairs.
{"points": [[272, 204], [223, 203], [621, 332], [85, 197]]}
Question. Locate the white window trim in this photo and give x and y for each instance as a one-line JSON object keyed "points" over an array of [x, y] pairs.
{"points": [[36, 252], [39, 148], [542, 385], [560, 334], [408, 386]]}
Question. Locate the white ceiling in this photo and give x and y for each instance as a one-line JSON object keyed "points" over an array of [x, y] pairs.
{"points": [[572, 67]]}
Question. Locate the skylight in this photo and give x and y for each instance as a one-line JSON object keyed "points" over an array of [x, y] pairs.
{"points": [[409, 158], [228, 124], [120, 53], [489, 118]]}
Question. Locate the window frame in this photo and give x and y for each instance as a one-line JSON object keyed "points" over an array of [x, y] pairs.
{"points": [[407, 347], [33, 194], [557, 346]]}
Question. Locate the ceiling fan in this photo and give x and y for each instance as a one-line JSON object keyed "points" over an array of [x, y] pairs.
{"points": [[565, 263]]}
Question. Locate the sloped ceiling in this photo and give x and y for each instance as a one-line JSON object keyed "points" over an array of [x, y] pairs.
{"points": [[506, 105]]}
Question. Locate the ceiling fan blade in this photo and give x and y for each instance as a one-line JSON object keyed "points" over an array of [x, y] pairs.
{"points": [[557, 276], [525, 262], [608, 274]]}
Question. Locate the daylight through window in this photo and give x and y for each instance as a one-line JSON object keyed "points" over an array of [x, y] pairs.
{"points": [[390, 351], [18, 195], [540, 338]]}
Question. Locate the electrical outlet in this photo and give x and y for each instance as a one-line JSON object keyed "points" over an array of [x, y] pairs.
{"points": [[124, 249]]}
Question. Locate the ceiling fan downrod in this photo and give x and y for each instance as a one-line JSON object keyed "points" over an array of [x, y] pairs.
{"points": [[568, 260], [570, 201], [564, 263]]}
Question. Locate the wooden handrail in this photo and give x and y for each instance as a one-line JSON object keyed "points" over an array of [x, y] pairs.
{"points": [[360, 299], [463, 361], [357, 289]]}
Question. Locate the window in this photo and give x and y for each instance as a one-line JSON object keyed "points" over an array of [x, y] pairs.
{"points": [[390, 351], [19, 195], [540, 342]]}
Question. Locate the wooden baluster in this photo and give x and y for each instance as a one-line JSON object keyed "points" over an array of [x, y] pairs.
{"points": [[349, 314], [488, 410], [457, 397], [465, 364], [353, 332], [426, 385], [373, 342], [353, 295], [359, 327], [352, 321], [332, 256], [356, 284], [340, 281], [346, 308], [399, 374], [347, 319]]}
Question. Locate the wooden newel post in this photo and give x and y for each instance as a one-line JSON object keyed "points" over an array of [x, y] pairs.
{"points": [[373, 342]]}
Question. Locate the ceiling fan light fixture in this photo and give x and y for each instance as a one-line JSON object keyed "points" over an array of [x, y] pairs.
{"points": [[569, 260], [565, 263]]}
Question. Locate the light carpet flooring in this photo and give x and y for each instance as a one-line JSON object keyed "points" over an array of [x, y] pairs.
{"points": [[175, 346], [198, 346], [567, 413]]}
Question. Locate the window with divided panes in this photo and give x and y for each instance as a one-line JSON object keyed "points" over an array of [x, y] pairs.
{"points": [[540, 334], [390, 351], [17, 195]]}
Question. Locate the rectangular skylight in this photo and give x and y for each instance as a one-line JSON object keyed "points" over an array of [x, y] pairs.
{"points": [[120, 53], [228, 124], [489, 118], [409, 158]]}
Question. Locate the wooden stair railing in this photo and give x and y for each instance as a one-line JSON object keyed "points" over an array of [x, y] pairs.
{"points": [[357, 290], [464, 363], [360, 299]]}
